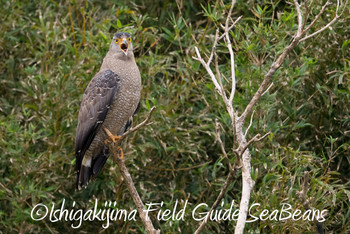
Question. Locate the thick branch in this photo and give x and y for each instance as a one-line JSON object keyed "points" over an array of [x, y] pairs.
{"points": [[247, 181], [133, 192], [115, 151]]}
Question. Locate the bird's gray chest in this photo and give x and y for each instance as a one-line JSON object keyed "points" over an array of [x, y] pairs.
{"points": [[127, 98]]}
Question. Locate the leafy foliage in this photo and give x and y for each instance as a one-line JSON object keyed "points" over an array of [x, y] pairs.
{"points": [[51, 50]]}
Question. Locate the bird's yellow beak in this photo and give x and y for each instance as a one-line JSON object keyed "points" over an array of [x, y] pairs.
{"points": [[124, 46]]}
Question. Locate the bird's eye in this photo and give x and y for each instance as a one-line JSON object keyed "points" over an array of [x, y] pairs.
{"points": [[129, 39], [116, 41]]}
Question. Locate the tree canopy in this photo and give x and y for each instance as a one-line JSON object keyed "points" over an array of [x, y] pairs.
{"points": [[51, 49]]}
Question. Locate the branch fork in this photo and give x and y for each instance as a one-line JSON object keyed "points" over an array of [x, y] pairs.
{"points": [[242, 151]]}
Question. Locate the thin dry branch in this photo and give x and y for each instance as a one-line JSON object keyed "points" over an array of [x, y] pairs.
{"points": [[267, 89], [218, 72], [214, 46], [277, 64], [337, 16], [300, 17], [318, 15], [232, 57], [114, 149], [250, 124], [230, 28], [206, 65], [210, 72], [254, 139], [140, 125], [222, 144]]}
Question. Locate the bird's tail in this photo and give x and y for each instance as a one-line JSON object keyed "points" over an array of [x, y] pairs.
{"points": [[83, 176], [88, 169]]}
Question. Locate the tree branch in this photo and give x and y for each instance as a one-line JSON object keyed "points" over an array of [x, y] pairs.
{"points": [[210, 72], [229, 46], [277, 64], [254, 139], [222, 144], [274, 67], [237, 122], [115, 151], [337, 16], [250, 124], [318, 15]]}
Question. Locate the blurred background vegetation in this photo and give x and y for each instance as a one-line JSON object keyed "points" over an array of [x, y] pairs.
{"points": [[51, 49]]}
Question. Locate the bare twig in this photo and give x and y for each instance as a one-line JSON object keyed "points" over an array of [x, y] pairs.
{"points": [[254, 139], [230, 28], [214, 46], [318, 15], [210, 72], [300, 17], [206, 65], [268, 88], [222, 144], [250, 124], [218, 73], [114, 149], [337, 16], [233, 82], [229, 46], [140, 125]]}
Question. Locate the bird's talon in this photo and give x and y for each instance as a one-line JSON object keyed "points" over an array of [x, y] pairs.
{"points": [[115, 138], [121, 154]]}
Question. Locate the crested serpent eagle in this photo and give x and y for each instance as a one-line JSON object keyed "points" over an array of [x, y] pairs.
{"points": [[109, 101]]}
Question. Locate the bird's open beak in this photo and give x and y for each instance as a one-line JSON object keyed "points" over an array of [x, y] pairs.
{"points": [[124, 46]]}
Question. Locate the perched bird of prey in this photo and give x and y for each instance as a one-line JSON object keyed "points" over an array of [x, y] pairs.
{"points": [[109, 101]]}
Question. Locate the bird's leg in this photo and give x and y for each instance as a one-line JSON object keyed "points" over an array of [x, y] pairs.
{"points": [[114, 139], [111, 136]]}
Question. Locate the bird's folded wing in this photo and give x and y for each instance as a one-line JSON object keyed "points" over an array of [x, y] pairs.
{"points": [[95, 104]]}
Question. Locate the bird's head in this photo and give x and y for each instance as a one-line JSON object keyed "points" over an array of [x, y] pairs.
{"points": [[122, 42]]}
